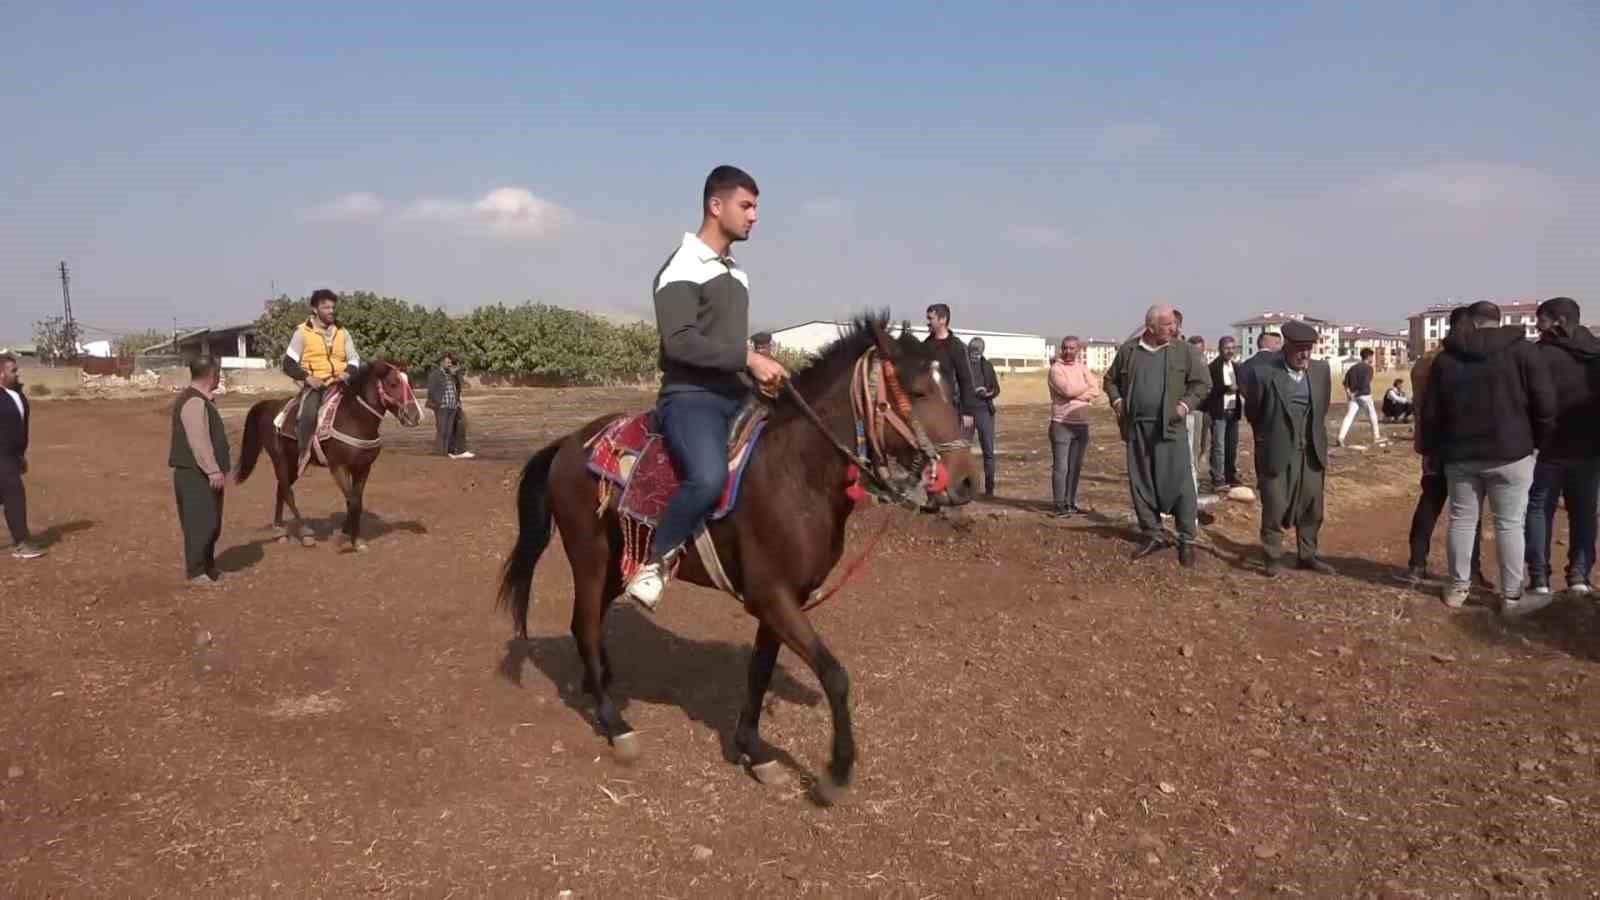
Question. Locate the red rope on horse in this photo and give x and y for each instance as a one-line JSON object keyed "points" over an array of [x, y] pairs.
{"points": [[851, 569], [891, 379]]}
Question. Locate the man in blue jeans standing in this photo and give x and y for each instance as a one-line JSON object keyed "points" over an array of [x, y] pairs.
{"points": [[1567, 467], [702, 301]]}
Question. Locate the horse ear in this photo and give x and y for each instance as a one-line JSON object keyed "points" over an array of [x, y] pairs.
{"points": [[880, 335]]}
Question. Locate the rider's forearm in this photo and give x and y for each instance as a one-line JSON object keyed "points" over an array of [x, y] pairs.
{"points": [[293, 369]]}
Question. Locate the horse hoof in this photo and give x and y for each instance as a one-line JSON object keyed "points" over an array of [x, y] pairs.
{"points": [[829, 792], [627, 748], [770, 773]]}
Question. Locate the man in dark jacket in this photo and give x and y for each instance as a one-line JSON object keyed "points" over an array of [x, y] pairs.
{"points": [[1287, 406], [444, 398], [1568, 467], [955, 366], [987, 388], [1489, 406], [16, 415], [1153, 383], [1223, 408]]}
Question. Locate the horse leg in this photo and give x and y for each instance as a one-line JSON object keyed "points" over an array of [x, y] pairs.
{"points": [[287, 475], [747, 734], [794, 630], [346, 482], [595, 582], [353, 511]]}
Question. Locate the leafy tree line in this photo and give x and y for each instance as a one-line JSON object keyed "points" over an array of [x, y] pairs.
{"points": [[532, 339]]}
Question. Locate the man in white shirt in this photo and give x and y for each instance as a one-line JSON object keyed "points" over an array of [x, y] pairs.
{"points": [[15, 417]]}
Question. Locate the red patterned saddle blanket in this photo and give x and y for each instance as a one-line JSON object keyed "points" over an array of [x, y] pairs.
{"points": [[288, 423], [630, 456]]}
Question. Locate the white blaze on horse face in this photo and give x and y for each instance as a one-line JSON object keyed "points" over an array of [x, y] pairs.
{"points": [[938, 375]]}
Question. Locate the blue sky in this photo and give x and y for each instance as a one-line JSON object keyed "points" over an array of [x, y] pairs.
{"points": [[1039, 167]]}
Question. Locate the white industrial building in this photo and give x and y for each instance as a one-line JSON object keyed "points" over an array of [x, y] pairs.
{"points": [[1007, 350]]}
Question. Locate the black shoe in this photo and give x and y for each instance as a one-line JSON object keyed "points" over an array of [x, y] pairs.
{"points": [[1061, 512], [1154, 545], [1186, 556], [1482, 581], [1271, 566], [1414, 575], [1539, 584], [1312, 564]]}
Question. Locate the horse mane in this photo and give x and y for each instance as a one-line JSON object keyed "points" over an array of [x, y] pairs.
{"points": [[838, 358], [365, 374]]}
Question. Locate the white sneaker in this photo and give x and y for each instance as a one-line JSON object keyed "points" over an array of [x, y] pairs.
{"points": [[1580, 589], [647, 584], [466, 454], [1526, 605]]}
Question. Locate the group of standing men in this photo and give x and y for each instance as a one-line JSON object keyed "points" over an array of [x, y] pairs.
{"points": [[1158, 383]]}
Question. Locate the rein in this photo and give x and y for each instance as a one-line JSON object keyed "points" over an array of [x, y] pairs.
{"points": [[377, 414]]}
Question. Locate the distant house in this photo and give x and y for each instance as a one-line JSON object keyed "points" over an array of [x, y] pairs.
{"points": [[1097, 355], [1009, 351], [1428, 327], [235, 346], [1389, 349], [1249, 332]]}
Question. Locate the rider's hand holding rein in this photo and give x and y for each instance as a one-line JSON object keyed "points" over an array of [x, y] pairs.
{"points": [[768, 372]]}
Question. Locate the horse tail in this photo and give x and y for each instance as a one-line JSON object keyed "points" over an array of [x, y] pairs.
{"points": [[533, 536], [250, 447]]}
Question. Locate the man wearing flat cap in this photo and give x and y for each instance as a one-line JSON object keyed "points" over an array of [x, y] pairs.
{"points": [[1287, 403]]}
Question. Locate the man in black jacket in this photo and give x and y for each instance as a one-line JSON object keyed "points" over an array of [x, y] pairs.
{"points": [[444, 398], [960, 384], [15, 417], [1490, 404], [987, 388], [1568, 467], [1223, 409]]}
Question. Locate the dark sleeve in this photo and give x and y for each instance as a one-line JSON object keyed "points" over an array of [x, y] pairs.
{"points": [[293, 369], [990, 379], [677, 304], [1251, 395], [27, 424], [965, 383], [1108, 383], [1198, 385], [1428, 427], [1541, 395], [435, 388]]}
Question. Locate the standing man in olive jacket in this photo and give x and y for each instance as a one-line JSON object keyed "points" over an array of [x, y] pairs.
{"points": [[1154, 382], [199, 461]]}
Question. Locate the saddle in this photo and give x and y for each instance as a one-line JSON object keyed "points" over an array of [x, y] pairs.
{"points": [[288, 424], [631, 458]]}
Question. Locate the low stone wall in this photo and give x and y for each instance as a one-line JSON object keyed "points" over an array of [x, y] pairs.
{"points": [[58, 382]]}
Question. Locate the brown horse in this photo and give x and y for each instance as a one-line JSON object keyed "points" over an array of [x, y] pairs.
{"points": [[376, 388], [781, 540]]}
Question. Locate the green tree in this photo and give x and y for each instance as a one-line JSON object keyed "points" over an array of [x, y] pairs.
{"points": [[136, 342]]}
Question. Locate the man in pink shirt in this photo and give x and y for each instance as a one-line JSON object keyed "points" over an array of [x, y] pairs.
{"points": [[1072, 391]]}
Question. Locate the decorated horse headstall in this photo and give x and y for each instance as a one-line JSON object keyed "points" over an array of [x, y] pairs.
{"points": [[385, 402], [881, 404]]}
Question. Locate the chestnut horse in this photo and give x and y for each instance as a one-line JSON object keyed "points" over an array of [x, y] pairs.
{"points": [[784, 536], [378, 387]]}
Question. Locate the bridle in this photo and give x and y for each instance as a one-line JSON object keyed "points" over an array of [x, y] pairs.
{"points": [[387, 403], [879, 403]]}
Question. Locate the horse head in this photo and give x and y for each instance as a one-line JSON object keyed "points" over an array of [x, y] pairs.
{"points": [[388, 388], [925, 435]]}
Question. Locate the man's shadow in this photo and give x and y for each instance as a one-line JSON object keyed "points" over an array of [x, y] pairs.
{"points": [[1569, 625], [52, 535], [1248, 557], [705, 679]]}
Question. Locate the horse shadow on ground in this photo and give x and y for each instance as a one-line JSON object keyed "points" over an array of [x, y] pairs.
{"points": [[704, 679], [53, 535], [243, 556], [1570, 625]]}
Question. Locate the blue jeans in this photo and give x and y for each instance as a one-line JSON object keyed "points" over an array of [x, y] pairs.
{"points": [[695, 425], [1578, 480]]}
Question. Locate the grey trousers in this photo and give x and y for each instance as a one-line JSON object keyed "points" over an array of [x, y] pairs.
{"points": [[1292, 499], [450, 427], [1506, 485], [1161, 480]]}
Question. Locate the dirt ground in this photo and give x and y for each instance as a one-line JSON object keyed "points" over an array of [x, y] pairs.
{"points": [[1037, 715]]}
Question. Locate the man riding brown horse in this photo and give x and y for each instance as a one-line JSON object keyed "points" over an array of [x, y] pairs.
{"points": [[319, 354]]}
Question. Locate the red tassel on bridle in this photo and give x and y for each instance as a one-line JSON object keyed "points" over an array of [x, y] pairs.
{"points": [[853, 490]]}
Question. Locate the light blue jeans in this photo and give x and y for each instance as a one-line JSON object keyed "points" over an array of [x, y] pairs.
{"points": [[1506, 484]]}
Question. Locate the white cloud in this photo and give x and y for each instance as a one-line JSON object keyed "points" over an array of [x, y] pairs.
{"points": [[511, 212], [356, 207]]}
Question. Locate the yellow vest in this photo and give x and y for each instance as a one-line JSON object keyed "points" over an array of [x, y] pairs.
{"points": [[317, 358]]}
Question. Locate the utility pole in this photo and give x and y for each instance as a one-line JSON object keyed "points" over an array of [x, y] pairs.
{"points": [[69, 329]]}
